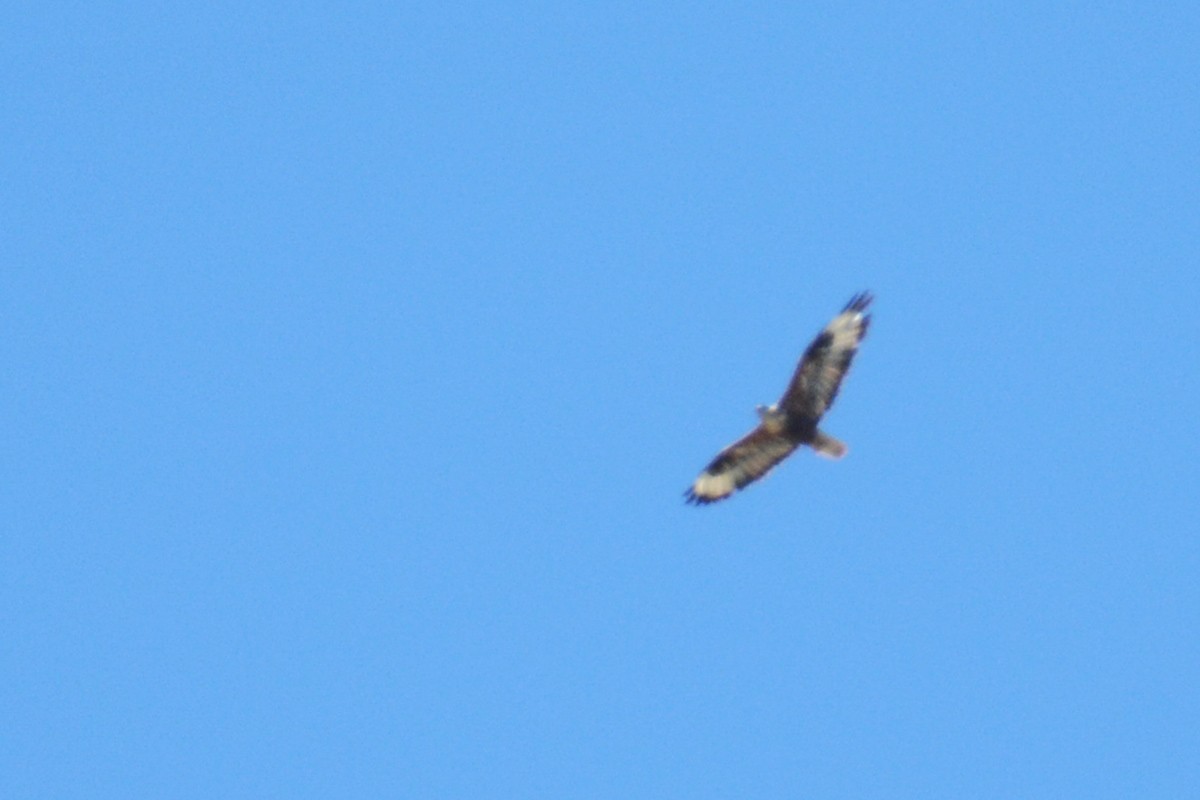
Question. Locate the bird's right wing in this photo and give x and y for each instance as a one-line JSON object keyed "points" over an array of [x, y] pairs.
{"points": [[742, 463]]}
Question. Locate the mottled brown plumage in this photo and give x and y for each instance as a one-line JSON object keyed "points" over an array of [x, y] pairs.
{"points": [[793, 420]]}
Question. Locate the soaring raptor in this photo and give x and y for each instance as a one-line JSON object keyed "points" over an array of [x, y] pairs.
{"points": [[793, 420]]}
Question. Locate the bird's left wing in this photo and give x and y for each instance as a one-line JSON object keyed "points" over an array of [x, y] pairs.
{"points": [[826, 361]]}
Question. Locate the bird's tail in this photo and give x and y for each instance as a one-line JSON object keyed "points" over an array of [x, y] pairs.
{"points": [[828, 446]]}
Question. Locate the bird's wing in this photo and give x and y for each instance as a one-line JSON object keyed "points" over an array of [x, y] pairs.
{"points": [[823, 365], [743, 462]]}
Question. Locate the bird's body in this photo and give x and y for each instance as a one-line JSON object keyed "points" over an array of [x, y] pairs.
{"points": [[793, 421]]}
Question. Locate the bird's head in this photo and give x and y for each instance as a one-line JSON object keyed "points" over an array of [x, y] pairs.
{"points": [[769, 412], [772, 418]]}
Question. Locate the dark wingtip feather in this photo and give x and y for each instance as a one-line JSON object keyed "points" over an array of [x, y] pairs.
{"points": [[859, 302], [694, 499]]}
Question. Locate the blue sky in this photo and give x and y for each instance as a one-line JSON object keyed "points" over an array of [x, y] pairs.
{"points": [[356, 359]]}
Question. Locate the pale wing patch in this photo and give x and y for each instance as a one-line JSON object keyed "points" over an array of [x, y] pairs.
{"points": [[713, 487], [846, 329]]}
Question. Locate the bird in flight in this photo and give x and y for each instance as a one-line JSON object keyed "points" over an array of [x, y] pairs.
{"points": [[793, 420]]}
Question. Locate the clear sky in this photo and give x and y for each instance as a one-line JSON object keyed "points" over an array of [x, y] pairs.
{"points": [[356, 357]]}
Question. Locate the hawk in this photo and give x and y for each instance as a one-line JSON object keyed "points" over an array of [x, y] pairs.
{"points": [[793, 420]]}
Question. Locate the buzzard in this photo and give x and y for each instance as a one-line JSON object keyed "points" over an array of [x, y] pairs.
{"points": [[793, 420]]}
